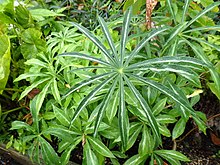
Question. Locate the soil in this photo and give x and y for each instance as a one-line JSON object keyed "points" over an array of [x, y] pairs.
{"points": [[199, 148]]}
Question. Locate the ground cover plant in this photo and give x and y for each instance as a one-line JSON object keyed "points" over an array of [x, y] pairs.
{"points": [[113, 94]]}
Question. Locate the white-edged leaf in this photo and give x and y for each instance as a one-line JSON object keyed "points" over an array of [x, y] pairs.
{"points": [[41, 96], [185, 9], [124, 34], [142, 43], [67, 153], [122, 115], [99, 147], [85, 57], [104, 105], [183, 60], [86, 82], [49, 155], [150, 117], [95, 41], [86, 99], [171, 153], [61, 116], [55, 91], [108, 37], [206, 28], [34, 85], [28, 75]]}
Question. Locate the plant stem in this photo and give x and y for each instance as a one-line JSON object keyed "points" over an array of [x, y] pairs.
{"points": [[11, 89], [12, 110]]}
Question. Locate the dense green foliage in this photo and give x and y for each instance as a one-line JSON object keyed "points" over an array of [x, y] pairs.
{"points": [[85, 75]]}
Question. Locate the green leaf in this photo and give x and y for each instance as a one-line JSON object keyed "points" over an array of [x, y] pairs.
{"points": [[122, 115], [89, 156], [104, 105], [179, 60], [35, 62], [99, 147], [169, 3], [133, 132], [49, 155], [29, 75], [33, 43], [203, 12], [146, 144], [88, 34], [165, 119], [151, 119], [136, 159], [41, 96], [204, 42], [61, 133], [85, 57], [34, 85], [124, 34], [143, 42], [185, 9], [86, 99], [5, 60], [206, 28], [173, 34], [67, 153], [178, 128], [214, 74], [113, 107], [20, 125], [55, 91], [214, 89], [159, 106], [86, 82], [171, 154], [108, 37], [61, 116], [39, 13]]}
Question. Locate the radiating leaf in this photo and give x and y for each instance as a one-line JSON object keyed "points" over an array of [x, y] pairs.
{"points": [[86, 82], [85, 57], [95, 41], [89, 157], [151, 119], [124, 34], [122, 115], [108, 37], [104, 105], [143, 42]]}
